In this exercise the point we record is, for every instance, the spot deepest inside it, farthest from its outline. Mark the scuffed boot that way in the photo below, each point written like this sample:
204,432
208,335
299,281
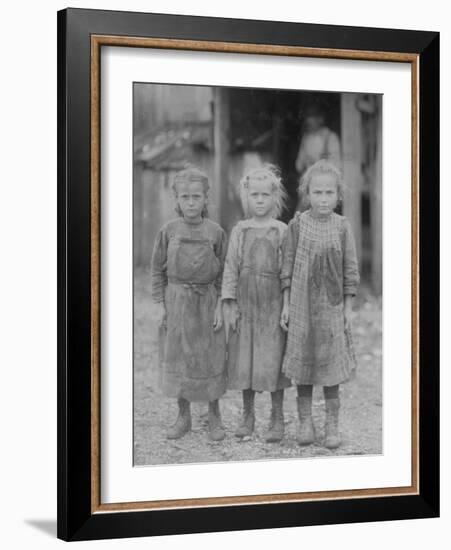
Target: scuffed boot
276,427
183,423
306,430
332,440
216,430
246,427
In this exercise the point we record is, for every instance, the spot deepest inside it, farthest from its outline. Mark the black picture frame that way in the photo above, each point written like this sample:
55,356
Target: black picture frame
76,518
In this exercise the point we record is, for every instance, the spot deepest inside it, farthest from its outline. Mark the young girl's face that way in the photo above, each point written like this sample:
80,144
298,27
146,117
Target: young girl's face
191,198
260,198
323,194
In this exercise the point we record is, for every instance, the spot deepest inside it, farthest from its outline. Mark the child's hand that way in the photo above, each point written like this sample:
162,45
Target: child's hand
231,316
285,317
217,322
161,314
348,314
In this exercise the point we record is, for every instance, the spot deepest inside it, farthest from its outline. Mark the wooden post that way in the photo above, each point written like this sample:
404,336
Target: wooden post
376,206
351,151
221,134
137,214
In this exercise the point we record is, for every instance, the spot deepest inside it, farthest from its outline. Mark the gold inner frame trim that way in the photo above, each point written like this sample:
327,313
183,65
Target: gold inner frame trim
97,41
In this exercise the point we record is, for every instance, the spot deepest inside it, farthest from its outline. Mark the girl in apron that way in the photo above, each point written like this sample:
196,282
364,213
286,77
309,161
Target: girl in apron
187,265
252,300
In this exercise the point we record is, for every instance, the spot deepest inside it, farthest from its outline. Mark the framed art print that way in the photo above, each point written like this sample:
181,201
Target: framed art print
248,274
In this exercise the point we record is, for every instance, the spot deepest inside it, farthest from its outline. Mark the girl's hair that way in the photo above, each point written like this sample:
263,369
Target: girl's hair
322,166
267,172
190,175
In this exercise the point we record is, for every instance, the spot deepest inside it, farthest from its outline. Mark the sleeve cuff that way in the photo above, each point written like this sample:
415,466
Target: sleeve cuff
228,296
285,283
350,290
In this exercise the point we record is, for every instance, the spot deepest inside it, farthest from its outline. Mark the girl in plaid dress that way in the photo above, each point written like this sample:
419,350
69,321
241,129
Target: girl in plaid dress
252,300
319,280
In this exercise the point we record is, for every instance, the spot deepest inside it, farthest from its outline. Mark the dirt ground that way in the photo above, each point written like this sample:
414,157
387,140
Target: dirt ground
360,414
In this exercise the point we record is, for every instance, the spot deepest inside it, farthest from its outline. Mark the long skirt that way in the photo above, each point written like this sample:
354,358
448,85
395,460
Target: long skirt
192,354
256,349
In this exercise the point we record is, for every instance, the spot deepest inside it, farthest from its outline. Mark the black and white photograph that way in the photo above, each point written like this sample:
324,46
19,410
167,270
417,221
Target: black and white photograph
257,274
225,283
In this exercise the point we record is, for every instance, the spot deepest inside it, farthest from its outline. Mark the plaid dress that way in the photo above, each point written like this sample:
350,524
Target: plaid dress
320,266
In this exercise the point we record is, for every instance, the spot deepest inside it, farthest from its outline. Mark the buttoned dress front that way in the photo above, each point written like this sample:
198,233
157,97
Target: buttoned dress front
252,278
187,264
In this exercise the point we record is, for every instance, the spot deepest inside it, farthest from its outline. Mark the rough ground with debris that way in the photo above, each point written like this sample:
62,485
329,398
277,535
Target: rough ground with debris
360,415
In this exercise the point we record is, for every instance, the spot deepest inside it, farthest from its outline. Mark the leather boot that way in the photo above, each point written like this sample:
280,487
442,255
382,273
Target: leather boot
246,427
276,427
216,430
183,423
332,440
306,430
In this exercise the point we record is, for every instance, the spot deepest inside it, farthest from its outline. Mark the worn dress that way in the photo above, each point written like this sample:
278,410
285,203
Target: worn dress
320,265
187,264
252,278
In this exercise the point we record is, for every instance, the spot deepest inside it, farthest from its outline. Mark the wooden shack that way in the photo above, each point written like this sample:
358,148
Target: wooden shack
225,131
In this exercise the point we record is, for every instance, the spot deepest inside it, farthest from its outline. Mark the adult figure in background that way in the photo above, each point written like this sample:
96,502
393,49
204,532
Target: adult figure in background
317,142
